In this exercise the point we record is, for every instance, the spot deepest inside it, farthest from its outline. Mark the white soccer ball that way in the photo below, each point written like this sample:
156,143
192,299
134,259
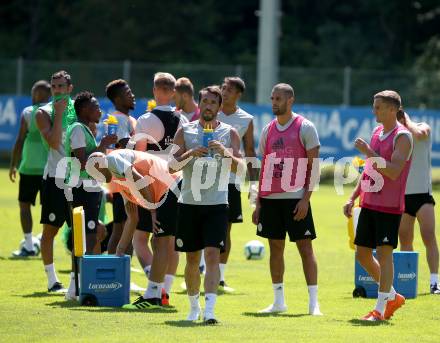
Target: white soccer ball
35,242
254,250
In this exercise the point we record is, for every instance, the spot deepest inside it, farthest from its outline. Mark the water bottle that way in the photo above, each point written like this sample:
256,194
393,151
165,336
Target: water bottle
208,135
112,127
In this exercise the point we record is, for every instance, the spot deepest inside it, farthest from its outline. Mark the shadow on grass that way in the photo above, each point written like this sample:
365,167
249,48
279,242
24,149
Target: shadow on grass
202,293
119,309
183,323
64,304
359,322
65,271
17,258
275,314
40,295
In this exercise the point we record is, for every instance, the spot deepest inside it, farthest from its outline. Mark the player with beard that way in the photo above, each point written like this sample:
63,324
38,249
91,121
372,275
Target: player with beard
289,145
203,209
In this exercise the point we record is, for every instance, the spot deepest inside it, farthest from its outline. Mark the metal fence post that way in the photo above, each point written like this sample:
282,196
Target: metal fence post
19,77
346,87
126,66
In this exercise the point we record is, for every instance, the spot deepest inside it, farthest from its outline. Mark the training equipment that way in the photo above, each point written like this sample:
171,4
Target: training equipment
359,164
105,280
208,135
254,250
35,243
352,225
112,127
405,276
79,232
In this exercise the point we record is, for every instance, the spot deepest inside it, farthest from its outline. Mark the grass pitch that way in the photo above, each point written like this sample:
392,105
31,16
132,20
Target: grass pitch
29,314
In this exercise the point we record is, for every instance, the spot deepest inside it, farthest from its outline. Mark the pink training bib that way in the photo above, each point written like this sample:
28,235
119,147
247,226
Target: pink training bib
391,198
284,166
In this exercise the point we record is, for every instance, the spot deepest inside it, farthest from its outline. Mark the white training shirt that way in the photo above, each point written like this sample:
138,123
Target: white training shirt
150,124
120,160
239,120
419,177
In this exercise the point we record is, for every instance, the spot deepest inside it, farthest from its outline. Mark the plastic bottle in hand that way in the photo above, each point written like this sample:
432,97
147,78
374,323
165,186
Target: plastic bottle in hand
359,164
208,135
112,127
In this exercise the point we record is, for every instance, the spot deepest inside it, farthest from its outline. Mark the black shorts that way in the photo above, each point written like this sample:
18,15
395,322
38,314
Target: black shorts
201,226
166,215
119,215
413,202
91,202
54,207
276,219
235,214
376,228
28,187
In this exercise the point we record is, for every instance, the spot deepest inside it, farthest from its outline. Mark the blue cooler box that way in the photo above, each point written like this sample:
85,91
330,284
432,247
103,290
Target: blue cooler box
104,280
405,276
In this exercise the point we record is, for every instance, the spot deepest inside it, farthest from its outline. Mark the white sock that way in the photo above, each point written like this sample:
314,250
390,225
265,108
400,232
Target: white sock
152,290
382,299
28,242
194,301
392,293
433,279
278,291
51,275
147,270
222,267
313,296
202,259
210,299
168,283
72,288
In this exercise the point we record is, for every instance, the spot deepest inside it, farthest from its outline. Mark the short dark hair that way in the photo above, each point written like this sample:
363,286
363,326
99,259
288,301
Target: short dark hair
184,85
60,74
236,82
41,85
82,99
213,90
114,88
285,88
390,97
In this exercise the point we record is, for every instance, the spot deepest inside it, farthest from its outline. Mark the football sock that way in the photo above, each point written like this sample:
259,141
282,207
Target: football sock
51,275
210,299
28,242
433,280
222,267
152,290
168,283
278,291
194,300
313,296
382,299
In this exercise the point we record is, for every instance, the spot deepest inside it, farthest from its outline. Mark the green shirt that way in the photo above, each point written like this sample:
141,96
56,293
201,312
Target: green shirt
89,143
34,154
